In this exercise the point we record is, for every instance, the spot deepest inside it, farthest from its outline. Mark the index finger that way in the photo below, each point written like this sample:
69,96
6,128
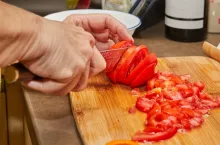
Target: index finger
100,22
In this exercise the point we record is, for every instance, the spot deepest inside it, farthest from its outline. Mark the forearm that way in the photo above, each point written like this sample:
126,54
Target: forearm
19,30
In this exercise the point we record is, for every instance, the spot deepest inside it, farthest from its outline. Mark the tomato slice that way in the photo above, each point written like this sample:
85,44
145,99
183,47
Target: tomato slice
144,76
122,44
129,62
144,136
113,75
153,129
149,59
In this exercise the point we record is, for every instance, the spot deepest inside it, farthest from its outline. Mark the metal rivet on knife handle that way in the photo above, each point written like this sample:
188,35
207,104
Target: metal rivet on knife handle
17,72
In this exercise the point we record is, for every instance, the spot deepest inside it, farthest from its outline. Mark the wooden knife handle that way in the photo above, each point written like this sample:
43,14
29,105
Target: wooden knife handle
17,72
211,50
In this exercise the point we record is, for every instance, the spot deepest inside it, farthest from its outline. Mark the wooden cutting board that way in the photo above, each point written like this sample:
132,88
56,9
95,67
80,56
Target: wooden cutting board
101,111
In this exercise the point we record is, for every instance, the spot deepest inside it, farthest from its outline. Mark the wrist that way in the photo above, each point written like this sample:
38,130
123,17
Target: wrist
19,30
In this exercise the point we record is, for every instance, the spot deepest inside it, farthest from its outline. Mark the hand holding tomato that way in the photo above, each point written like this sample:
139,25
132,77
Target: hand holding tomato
105,29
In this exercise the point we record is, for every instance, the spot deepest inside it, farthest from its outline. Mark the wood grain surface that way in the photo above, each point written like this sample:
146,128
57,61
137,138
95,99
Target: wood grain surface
101,111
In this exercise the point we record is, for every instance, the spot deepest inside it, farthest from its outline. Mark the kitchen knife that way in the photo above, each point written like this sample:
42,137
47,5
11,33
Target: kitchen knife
17,71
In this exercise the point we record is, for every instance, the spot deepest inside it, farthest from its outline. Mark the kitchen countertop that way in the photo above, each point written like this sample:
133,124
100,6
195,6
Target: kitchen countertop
50,118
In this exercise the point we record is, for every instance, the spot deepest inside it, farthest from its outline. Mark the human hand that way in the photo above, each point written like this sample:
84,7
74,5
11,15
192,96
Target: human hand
63,54
105,28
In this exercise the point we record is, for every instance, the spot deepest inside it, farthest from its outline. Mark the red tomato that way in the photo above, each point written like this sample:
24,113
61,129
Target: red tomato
122,44
151,129
144,136
113,75
129,62
143,104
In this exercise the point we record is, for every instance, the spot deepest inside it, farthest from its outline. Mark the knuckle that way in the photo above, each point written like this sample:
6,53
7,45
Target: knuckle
81,66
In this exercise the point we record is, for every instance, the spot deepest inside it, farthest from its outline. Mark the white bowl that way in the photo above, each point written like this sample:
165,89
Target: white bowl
130,21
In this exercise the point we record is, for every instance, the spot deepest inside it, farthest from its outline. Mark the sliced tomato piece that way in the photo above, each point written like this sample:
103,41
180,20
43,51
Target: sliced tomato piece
152,129
144,136
129,62
143,104
144,76
112,76
149,59
122,44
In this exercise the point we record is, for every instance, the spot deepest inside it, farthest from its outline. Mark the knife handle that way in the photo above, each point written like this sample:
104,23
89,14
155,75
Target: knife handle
17,72
211,50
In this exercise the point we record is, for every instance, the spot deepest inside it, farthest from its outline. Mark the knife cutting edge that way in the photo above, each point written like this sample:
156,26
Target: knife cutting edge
17,71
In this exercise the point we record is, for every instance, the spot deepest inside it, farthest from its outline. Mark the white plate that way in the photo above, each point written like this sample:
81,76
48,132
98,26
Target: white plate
130,21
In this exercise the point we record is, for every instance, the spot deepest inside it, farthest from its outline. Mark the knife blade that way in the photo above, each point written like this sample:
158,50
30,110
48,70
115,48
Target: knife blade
112,57
17,71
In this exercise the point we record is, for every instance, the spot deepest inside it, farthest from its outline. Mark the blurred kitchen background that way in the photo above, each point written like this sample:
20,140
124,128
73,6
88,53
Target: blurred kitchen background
150,12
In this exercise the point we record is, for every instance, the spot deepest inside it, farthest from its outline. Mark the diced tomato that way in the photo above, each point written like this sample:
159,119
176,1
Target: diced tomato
205,96
150,84
153,93
196,122
132,110
187,93
200,85
185,77
167,84
176,80
195,90
143,104
144,136
209,104
189,112
185,124
155,109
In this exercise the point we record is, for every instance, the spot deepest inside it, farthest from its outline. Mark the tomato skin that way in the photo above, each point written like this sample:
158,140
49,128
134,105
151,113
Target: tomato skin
123,44
144,136
146,74
112,76
127,63
151,129
149,59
